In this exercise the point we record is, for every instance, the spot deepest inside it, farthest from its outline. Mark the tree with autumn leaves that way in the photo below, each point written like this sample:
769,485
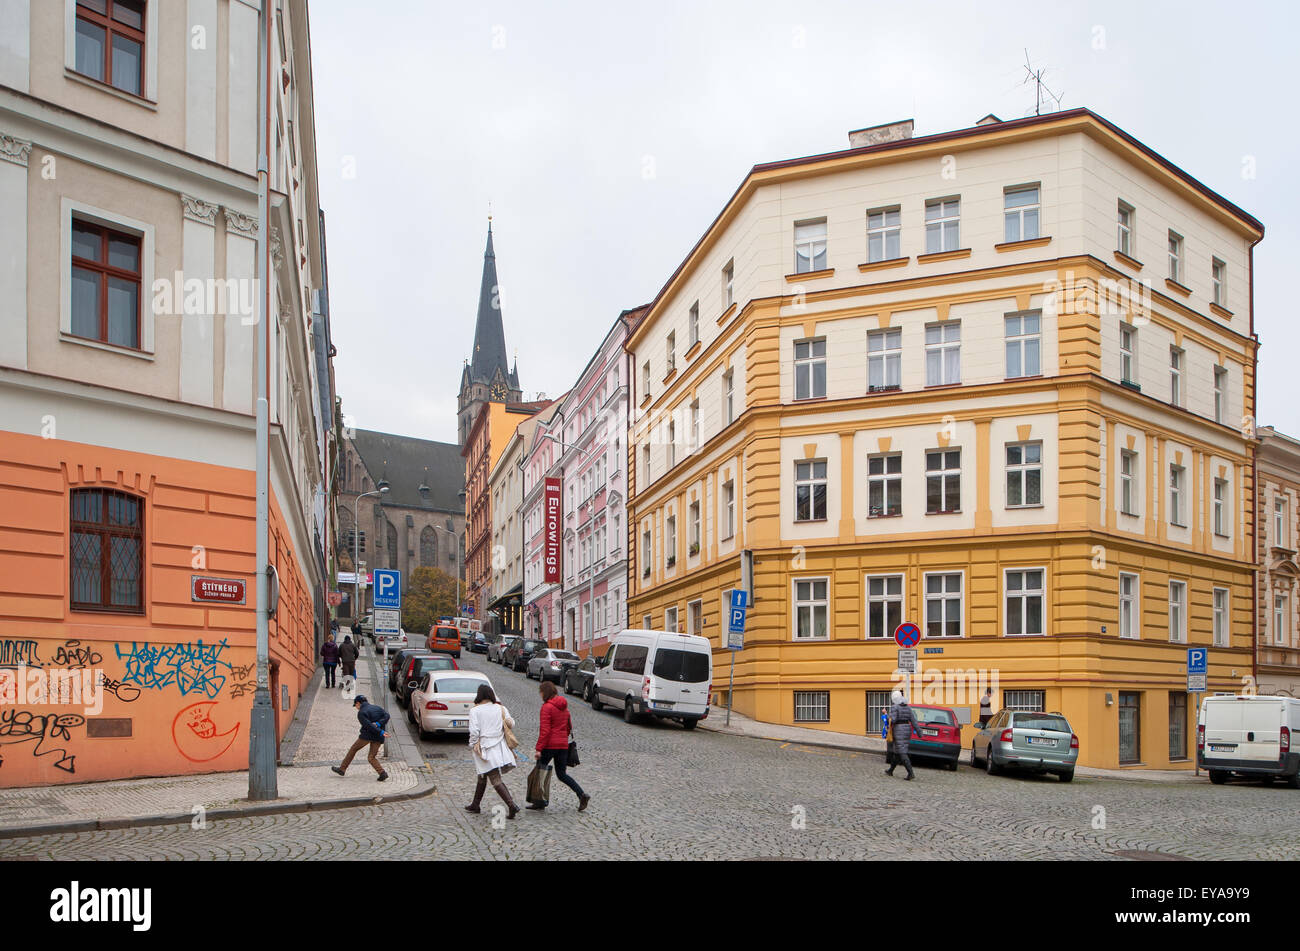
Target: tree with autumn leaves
430,595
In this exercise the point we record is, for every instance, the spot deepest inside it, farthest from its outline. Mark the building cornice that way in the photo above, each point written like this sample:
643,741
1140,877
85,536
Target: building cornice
14,150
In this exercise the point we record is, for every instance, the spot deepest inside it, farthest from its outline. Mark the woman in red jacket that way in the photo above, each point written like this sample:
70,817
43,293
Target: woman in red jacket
553,741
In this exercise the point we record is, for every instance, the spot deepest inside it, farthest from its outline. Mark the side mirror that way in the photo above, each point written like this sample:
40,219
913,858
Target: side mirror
412,685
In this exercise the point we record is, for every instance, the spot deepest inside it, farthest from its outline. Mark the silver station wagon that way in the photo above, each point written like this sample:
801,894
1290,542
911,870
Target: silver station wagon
1041,742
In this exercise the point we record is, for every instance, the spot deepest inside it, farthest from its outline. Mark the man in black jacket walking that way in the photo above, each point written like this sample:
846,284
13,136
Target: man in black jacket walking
373,720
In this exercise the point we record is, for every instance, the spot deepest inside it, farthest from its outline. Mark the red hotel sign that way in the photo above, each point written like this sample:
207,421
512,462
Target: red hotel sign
221,590
551,515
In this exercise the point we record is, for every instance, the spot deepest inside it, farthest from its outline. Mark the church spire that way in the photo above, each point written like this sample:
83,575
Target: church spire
489,332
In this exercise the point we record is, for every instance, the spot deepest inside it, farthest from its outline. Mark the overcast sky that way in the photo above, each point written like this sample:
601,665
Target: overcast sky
608,136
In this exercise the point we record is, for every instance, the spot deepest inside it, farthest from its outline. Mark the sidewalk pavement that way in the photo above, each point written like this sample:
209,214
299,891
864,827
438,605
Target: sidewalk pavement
324,726
804,736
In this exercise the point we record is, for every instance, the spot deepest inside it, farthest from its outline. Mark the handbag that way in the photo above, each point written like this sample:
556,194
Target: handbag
573,750
511,740
539,786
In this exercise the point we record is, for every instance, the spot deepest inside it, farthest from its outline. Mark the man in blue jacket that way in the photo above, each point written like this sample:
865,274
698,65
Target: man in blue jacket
373,720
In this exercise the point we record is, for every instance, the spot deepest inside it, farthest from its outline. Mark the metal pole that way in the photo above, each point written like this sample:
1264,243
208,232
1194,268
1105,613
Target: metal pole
262,778
731,686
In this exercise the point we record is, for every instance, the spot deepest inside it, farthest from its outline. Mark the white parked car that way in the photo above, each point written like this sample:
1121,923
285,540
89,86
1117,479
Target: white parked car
394,642
656,674
1252,736
442,701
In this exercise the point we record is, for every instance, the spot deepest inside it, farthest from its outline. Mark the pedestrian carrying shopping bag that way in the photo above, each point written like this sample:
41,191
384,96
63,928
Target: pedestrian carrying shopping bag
539,786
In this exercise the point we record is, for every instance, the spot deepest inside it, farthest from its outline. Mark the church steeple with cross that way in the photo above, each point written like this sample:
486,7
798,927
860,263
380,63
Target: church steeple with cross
488,376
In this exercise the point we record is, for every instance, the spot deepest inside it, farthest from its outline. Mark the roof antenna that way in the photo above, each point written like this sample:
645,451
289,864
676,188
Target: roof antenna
1036,77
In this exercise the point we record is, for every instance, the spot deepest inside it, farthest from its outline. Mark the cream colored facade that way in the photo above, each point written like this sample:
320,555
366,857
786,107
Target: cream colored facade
1278,647
1078,409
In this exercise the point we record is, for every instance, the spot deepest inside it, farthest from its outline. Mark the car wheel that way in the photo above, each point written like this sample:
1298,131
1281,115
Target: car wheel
1293,781
1218,776
1067,775
410,714
424,734
974,760
690,724
567,689
595,699
586,691
629,711
990,767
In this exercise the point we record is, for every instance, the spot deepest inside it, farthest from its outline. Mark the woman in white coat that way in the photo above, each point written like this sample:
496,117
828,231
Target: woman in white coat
493,756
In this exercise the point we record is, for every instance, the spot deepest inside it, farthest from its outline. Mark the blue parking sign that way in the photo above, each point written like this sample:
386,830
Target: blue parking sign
388,589
1197,660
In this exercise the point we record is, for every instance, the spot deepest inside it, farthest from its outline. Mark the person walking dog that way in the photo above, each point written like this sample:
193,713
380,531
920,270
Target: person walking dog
553,741
373,720
493,747
902,719
329,658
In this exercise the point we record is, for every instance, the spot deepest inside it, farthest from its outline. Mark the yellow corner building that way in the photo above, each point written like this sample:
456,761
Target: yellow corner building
998,382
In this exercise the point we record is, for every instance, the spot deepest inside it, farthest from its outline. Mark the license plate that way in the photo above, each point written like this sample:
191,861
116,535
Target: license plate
1041,741
663,703
458,722
929,732
1222,749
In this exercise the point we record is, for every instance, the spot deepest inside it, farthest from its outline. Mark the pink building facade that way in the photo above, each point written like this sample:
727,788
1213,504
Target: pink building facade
583,445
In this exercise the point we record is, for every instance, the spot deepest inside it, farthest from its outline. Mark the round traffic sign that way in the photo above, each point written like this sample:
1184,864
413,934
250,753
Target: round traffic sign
907,634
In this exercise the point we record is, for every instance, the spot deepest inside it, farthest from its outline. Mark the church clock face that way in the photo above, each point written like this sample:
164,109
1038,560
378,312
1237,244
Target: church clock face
498,392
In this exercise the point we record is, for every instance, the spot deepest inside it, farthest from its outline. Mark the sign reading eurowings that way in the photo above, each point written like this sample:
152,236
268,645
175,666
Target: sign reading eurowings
551,522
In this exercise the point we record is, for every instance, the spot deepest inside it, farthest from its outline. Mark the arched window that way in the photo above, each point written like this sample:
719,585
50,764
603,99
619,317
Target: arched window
392,546
107,551
428,547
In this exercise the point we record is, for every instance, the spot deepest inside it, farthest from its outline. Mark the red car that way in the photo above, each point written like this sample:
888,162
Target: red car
937,735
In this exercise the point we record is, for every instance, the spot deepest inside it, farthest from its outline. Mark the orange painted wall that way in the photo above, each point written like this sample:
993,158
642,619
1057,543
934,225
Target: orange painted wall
181,674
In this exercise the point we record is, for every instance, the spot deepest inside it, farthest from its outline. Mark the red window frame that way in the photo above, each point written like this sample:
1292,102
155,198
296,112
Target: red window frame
106,531
112,26
106,271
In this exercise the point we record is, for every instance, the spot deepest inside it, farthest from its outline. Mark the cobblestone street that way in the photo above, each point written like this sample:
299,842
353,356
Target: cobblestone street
660,792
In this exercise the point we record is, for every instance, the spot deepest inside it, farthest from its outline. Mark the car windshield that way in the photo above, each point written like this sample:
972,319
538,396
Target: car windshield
436,663
1040,721
925,715
688,667
457,685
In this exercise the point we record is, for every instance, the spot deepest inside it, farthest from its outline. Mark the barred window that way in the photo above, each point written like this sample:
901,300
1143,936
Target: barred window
107,551
1024,701
812,706
877,710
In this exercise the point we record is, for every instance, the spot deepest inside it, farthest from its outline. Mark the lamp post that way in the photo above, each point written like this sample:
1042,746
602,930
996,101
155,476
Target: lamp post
459,562
356,543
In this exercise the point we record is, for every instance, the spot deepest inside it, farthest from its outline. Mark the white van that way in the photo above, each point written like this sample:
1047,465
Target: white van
653,673
1251,736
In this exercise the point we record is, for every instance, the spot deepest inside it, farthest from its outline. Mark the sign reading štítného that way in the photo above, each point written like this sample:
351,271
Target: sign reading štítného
219,590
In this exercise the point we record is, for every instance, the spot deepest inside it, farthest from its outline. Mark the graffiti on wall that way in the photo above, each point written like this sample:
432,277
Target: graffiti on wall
190,667
18,653
196,734
50,732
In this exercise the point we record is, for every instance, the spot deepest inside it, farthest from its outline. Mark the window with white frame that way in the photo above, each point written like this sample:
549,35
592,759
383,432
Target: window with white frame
1219,279
672,444
1023,344
1281,536
693,319
586,620
647,622
1024,701
1177,480
670,541
943,604
942,225
885,485
1175,257
1124,241
1024,474
728,284
884,360
645,463
810,369
646,553
943,353
695,426
728,509
1024,591
671,348
1127,349
811,608
670,620
1220,392
728,396
694,538
1128,605
1220,617
1178,611
884,234
942,481
810,246
1127,485
878,703
884,605
810,490
812,706
695,617
1281,618
1176,376
1020,213
645,379
1220,507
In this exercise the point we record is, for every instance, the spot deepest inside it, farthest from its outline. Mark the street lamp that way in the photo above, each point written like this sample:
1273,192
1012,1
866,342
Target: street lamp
460,564
591,578
356,542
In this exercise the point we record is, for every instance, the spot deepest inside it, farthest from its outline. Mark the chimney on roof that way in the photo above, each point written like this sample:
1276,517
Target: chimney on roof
988,120
876,134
